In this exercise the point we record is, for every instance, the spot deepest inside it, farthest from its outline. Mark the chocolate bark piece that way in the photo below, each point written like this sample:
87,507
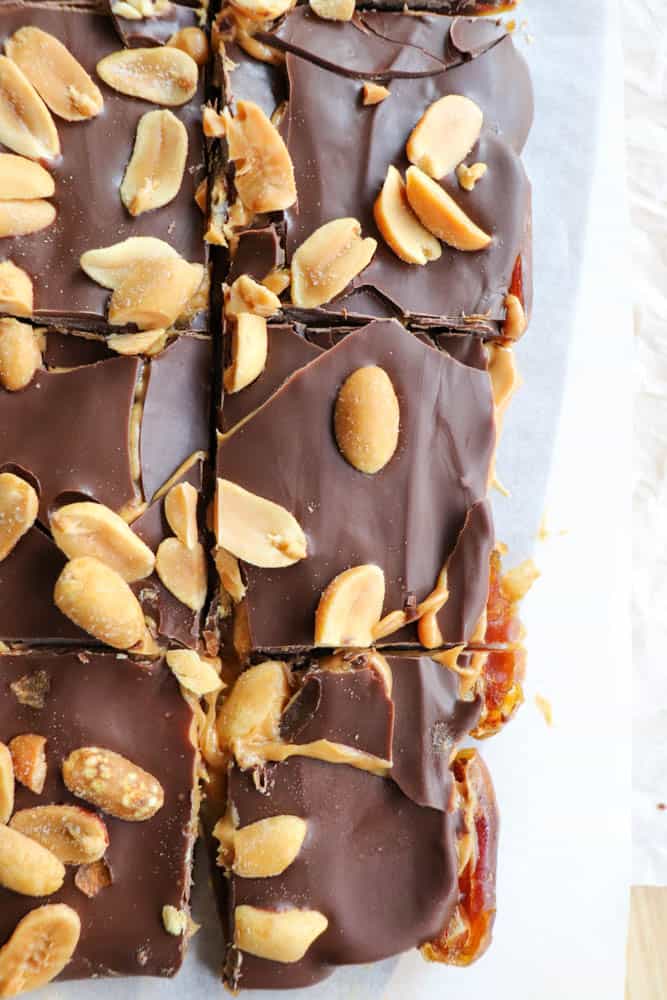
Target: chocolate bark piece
406,518
420,59
95,153
135,709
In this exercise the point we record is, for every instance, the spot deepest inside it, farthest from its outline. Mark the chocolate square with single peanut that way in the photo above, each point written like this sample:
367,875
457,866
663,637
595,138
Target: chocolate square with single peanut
98,786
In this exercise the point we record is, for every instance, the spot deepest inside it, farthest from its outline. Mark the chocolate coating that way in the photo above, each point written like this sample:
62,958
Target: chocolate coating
135,709
88,175
468,576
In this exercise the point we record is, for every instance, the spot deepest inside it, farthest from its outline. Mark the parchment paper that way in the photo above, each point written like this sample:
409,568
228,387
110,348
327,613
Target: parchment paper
564,791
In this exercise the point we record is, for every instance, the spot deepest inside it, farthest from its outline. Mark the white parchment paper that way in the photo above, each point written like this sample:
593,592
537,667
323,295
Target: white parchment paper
564,791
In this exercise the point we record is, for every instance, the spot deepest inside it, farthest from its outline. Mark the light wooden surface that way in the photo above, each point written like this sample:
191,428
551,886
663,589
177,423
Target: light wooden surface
647,945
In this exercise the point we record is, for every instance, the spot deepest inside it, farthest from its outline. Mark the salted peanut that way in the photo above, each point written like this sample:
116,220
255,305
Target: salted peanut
110,266
515,318
147,342
20,354
91,529
20,218
468,176
213,124
59,79
16,295
155,172
99,601
39,948
229,572
193,41
193,673
373,93
268,847
174,921
349,607
152,297
257,530
445,134
21,178
333,10
201,195
328,260
180,507
26,125
28,752
112,783
264,175
278,935
277,280
90,879
252,709
162,75
6,784
26,867
400,227
366,419
249,352
182,570
441,215
19,504
76,836
246,295
262,10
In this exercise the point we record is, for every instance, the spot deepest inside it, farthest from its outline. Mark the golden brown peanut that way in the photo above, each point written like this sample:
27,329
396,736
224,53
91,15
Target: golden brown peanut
268,847
328,260
246,295
183,571
193,41
373,93
249,352
180,508
91,529
26,125
445,134
277,280
99,601
441,215
193,673
6,784
59,79
278,935
333,10
257,530
155,172
112,783
152,297
40,947
76,836
349,608
366,419
148,342
20,353
252,709
20,218
28,752
19,504
468,176
111,266
174,921
515,318
16,294
27,867
400,227
263,10
162,75
212,123
22,179
264,175
229,572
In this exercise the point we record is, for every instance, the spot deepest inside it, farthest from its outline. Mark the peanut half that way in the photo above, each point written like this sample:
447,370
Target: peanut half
328,260
28,752
155,172
193,41
193,673
400,227
99,601
366,419
445,134
26,125
246,295
6,784
19,504
76,836
278,935
162,75
110,266
229,573
40,947
268,847
16,293
21,218
333,10
59,79
257,530
441,215
27,867
263,171
515,318
91,529
250,347
252,709
263,10
350,607
183,571
112,783
148,342
22,179
180,508
152,297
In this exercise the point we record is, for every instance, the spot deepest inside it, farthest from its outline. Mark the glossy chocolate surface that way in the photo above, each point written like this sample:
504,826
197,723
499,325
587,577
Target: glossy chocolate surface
135,709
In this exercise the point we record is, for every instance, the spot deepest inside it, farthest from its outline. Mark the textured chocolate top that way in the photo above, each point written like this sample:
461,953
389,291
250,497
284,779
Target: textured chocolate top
420,59
136,710
88,175
406,518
